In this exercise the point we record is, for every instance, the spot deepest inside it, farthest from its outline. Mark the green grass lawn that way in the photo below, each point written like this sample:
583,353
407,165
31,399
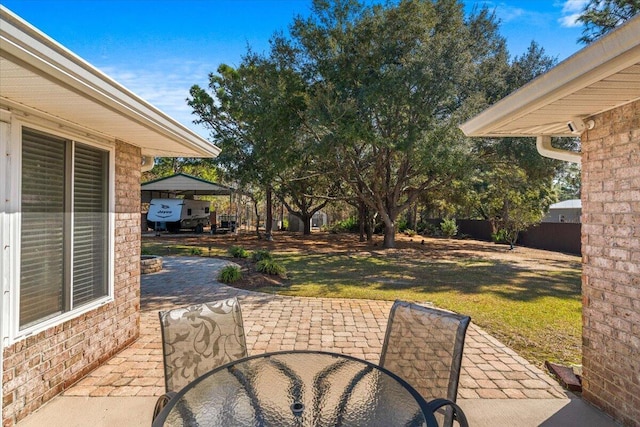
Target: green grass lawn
538,314
530,300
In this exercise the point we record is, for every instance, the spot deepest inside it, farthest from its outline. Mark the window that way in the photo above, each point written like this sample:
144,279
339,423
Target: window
64,255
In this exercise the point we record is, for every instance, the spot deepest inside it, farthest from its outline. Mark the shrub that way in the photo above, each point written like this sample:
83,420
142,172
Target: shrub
349,225
269,266
431,230
230,274
238,252
500,236
260,254
409,232
449,227
195,251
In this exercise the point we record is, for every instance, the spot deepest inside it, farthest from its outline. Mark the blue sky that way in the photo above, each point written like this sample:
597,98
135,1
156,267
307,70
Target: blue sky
160,48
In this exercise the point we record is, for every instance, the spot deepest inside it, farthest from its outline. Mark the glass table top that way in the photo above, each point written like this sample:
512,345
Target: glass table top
301,388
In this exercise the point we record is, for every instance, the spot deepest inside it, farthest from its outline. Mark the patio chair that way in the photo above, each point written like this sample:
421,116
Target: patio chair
424,347
198,339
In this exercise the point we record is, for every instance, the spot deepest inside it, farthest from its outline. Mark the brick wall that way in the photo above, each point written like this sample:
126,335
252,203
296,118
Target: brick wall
41,366
611,256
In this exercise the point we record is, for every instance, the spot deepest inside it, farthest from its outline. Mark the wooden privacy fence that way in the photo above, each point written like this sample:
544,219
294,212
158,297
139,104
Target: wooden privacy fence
551,236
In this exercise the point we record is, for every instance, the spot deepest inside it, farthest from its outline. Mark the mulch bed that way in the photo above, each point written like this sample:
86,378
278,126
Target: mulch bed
252,279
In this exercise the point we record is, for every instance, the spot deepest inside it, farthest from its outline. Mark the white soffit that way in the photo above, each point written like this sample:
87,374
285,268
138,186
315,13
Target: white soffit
39,76
600,77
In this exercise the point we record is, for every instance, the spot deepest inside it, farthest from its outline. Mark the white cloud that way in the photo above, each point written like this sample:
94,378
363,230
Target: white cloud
570,21
165,85
574,6
571,11
507,13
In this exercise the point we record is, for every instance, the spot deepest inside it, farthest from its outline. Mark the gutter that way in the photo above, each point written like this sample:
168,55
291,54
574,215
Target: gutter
612,53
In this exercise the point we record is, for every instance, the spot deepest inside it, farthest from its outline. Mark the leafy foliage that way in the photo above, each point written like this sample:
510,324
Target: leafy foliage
511,185
261,254
238,252
388,85
255,112
269,266
230,274
601,16
449,227
195,251
362,104
349,225
409,232
167,166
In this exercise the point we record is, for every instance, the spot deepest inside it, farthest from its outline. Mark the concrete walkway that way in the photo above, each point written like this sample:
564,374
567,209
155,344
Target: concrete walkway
495,384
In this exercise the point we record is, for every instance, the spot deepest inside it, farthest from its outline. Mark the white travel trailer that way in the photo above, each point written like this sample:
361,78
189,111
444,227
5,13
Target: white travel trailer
175,214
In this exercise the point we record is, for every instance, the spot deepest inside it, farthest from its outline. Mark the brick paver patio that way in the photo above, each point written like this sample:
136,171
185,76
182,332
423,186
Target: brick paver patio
272,323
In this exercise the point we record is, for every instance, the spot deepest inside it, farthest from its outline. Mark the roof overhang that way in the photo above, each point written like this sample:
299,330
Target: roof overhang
184,184
41,77
602,76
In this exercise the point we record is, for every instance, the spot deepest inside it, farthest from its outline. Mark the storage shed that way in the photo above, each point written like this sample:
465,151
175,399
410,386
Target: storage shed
565,211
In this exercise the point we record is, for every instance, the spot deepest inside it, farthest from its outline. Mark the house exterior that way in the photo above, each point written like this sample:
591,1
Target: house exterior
72,144
595,94
565,211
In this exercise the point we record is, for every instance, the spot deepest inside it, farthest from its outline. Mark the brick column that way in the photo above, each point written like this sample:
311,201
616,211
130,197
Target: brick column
611,257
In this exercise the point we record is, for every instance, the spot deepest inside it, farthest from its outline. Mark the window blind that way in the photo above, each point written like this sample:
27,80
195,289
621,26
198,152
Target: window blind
42,272
90,241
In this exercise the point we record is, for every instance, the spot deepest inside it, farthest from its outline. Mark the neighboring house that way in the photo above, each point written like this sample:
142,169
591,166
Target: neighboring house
595,94
565,211
72,142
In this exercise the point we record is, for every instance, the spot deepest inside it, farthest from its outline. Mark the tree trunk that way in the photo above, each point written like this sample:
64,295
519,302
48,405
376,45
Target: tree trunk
255,209
414,217
362,220
269,217
389,234
370,225
306,225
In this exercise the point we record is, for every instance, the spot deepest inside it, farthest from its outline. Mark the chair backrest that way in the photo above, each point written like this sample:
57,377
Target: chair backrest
424,346
199,338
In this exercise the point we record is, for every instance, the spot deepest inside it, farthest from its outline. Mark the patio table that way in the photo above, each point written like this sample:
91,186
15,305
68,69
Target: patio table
298,388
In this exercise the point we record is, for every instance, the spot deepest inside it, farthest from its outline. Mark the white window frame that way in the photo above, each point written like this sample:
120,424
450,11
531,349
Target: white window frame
14,332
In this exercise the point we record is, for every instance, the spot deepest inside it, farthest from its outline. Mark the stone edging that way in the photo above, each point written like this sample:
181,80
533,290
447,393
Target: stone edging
150,264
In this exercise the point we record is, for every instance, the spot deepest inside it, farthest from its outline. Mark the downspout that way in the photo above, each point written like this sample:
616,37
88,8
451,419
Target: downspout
6,241
543,144
147,163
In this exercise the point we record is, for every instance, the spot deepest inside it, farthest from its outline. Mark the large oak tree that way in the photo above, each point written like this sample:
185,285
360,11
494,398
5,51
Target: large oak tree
387,86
